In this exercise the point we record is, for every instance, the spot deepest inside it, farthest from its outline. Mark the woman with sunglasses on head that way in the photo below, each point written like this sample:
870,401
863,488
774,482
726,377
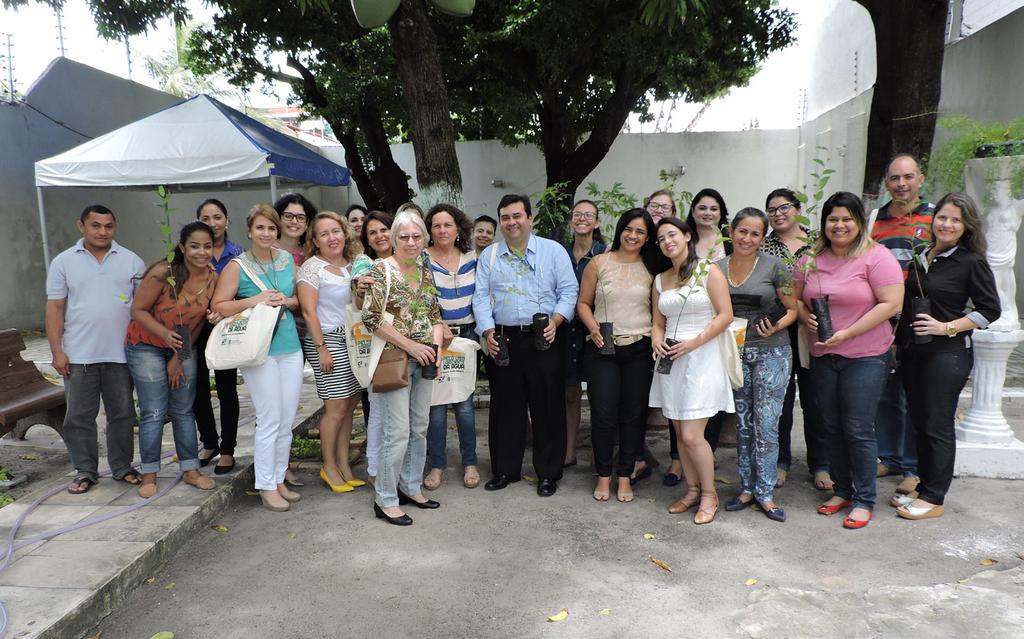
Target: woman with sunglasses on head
788,241
937,356
690,306
587,243
862,286
616,288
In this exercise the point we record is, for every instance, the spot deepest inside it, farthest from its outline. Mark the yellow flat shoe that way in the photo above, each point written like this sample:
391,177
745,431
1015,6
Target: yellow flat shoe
337,488
356,483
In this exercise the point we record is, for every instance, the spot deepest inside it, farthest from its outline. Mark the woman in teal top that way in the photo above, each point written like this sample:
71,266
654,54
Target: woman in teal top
274,386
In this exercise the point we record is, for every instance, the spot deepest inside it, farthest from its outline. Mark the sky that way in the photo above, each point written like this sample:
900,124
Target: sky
34,38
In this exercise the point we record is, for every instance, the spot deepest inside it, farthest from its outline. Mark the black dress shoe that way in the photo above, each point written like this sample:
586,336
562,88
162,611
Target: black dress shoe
643,474
501,481
671,479
429,504
775,514
736,504
403,520
203,463
224,470
547,487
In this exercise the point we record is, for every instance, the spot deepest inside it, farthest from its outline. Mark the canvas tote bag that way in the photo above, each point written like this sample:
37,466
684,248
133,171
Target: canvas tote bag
458,373
243,340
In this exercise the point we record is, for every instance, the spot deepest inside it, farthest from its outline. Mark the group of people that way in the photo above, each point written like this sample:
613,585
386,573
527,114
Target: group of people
870,316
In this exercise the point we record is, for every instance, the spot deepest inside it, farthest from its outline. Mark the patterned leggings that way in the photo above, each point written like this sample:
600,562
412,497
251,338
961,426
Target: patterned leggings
766,371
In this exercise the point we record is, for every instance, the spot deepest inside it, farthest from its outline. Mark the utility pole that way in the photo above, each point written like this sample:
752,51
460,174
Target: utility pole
128,54
10,71
60,29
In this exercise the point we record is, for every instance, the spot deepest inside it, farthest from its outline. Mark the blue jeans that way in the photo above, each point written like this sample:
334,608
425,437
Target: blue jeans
437,434
403,447
766,373
897,441
848,390
148,366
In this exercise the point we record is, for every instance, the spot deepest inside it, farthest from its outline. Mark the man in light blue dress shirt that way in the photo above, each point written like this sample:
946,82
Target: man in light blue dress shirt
522,276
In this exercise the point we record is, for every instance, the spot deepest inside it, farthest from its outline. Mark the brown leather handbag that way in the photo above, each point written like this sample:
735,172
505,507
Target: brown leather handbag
392,371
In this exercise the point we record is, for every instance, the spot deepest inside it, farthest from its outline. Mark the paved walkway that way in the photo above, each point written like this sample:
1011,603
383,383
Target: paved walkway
496,564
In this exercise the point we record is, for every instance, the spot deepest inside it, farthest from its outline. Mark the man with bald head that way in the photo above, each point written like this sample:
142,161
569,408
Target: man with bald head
900,225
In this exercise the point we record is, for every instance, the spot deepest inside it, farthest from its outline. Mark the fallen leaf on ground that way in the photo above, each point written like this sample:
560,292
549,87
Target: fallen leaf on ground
988,562
1020,555
648,535
169,586
99,633
661,564
252,493
163,635
30,458
561,615
750,582
220,528
722,480
604,611
530,478
151,580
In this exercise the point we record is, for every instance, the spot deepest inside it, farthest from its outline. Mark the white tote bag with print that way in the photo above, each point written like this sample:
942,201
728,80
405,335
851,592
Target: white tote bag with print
458,373
243,340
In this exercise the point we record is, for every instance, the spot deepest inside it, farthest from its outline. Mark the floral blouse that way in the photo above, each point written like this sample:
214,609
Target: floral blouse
415,312
774,246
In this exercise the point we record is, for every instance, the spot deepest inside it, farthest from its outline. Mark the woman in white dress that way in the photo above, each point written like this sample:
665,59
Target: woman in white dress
690,309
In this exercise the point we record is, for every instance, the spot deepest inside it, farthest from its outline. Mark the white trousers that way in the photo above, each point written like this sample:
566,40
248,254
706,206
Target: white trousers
274,389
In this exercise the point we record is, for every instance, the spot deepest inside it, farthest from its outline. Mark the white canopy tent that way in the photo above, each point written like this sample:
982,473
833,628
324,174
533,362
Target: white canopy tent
197,141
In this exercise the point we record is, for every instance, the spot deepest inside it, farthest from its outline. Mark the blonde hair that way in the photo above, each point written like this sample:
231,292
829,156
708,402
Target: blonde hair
352,245
263,210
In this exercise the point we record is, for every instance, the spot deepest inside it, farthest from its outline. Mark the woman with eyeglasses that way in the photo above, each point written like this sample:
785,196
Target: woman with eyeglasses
587,243
788,241
660,204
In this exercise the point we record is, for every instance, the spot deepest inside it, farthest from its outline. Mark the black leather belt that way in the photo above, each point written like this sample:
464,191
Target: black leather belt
522,328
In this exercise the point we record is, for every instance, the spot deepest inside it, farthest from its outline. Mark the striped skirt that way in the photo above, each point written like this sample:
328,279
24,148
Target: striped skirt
340,383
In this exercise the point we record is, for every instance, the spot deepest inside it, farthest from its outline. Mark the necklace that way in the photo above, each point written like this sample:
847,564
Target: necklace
272,274
752,269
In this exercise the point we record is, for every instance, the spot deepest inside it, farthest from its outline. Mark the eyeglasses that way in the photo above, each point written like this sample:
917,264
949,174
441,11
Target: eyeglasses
297,217
782,208
583,215
416,238
656,207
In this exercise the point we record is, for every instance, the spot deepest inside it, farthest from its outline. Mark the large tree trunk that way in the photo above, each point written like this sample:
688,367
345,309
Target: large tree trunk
354,160
910,37
426,99
389,179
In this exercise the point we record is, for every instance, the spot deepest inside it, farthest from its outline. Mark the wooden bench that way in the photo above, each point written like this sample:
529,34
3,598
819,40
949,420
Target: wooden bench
26,398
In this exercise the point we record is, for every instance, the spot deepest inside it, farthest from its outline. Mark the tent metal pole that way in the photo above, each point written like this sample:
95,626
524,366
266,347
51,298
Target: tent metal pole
273,189
42,228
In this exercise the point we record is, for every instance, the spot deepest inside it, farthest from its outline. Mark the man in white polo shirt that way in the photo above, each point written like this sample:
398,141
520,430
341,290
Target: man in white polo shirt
89,292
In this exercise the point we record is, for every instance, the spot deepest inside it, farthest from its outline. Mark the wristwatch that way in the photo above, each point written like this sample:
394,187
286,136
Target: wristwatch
950,329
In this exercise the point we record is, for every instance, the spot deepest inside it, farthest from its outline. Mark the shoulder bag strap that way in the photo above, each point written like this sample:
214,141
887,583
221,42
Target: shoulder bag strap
248,271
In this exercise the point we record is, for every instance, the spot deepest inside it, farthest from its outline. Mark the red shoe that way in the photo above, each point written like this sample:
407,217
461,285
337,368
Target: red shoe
826,509
854,524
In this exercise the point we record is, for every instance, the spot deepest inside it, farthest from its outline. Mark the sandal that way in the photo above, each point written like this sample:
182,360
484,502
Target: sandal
130,477
291,478
684,504
433,479
602,495
81,485
706,515
471,477
782,476
625,492
823,480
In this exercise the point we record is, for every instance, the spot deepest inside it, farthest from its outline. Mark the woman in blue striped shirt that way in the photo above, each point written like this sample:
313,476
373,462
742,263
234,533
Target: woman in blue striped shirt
453,264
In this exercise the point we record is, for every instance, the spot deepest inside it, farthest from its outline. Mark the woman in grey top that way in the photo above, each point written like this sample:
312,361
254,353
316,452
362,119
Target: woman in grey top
761,292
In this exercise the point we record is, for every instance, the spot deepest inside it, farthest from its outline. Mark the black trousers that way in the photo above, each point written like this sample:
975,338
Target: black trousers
933,381
814,436
618,387
227,394
533,380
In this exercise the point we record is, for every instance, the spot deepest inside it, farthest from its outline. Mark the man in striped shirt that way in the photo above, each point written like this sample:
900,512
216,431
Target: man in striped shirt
901,225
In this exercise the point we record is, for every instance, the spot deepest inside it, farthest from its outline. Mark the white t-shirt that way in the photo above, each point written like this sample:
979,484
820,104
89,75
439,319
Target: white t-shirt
334,291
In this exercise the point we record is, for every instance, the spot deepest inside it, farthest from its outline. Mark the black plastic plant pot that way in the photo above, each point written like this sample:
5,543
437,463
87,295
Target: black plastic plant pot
502,358
607,336
664,366
1000,149
540,322
185,333
819,306
776,311
430,370
920,305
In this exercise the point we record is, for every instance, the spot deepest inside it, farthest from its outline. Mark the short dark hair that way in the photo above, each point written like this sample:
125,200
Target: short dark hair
355,207
462,224
98,209
384,218
787,194
512,198
214,201
488,219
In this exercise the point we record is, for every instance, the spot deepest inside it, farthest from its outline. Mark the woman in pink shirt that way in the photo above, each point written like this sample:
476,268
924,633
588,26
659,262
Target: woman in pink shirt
863,285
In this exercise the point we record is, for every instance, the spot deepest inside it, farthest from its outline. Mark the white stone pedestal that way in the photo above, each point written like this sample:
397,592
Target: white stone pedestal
986,445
